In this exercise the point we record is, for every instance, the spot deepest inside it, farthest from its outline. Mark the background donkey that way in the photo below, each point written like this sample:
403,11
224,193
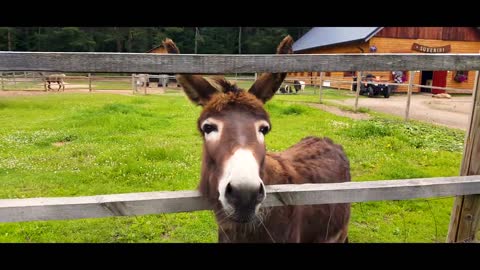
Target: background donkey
236,166
48,79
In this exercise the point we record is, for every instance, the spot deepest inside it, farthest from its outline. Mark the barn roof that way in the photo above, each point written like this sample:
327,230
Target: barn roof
324,36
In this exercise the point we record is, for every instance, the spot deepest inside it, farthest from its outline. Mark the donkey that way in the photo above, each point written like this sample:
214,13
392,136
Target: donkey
48,79
236,166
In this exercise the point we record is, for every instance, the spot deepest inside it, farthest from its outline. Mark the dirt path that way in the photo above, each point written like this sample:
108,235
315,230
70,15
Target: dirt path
453,112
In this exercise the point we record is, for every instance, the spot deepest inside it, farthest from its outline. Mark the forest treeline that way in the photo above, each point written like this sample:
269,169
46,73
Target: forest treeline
203,40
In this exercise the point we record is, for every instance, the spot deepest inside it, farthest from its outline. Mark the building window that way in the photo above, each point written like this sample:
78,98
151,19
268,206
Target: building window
460,76
399,76
328,74
348,73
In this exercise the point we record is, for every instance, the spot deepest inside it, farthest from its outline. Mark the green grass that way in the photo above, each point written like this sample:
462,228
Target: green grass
90,144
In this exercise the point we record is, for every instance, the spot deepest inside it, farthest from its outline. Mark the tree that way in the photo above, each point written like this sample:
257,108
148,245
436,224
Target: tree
7,38
210,40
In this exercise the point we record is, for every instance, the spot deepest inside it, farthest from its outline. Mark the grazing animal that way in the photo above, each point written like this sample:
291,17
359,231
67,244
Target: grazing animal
236,166
442,95
288,88
285,89
143,80
298,85
53,78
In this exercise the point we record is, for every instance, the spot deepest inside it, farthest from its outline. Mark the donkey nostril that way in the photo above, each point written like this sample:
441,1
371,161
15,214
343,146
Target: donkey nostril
261,194
229,189
261,190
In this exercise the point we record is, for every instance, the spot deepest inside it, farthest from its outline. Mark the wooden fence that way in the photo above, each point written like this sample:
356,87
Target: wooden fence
465,220
13,210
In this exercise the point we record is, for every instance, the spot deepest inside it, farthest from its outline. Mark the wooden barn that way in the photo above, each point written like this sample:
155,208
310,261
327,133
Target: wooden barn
392,40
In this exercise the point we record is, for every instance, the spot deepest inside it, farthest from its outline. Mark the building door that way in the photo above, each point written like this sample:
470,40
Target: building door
440,80
426,79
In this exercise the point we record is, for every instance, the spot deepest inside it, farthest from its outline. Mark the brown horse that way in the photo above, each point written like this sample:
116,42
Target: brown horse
236,166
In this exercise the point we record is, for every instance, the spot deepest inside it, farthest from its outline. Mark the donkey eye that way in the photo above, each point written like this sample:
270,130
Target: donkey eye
264,129
207,128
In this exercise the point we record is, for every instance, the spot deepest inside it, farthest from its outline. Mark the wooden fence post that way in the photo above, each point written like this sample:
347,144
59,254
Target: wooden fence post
465,217
409,94
165,80
476,81
146,83
357,93
134,84
320,87
44,80
89,82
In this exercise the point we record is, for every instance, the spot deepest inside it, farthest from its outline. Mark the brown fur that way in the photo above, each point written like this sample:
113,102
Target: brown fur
312,160
221,101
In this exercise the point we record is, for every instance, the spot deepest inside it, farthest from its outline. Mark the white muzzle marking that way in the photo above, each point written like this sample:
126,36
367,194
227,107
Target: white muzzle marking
241,169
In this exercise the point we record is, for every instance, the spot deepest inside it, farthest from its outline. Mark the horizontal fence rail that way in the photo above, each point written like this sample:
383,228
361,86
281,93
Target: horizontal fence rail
220,64
63,208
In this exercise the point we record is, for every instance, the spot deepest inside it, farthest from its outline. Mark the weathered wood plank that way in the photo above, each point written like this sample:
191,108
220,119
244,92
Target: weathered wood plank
409,94
217,64
100,206
134,84
465,217
320,85
13,210
89,82
357,92
371,190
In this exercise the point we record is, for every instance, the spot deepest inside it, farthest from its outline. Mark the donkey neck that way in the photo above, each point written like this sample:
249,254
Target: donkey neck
278,170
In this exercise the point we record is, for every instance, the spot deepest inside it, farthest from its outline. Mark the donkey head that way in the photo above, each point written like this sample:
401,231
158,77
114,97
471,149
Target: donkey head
233,125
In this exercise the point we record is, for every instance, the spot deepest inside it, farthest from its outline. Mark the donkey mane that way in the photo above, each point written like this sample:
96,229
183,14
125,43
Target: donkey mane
223,85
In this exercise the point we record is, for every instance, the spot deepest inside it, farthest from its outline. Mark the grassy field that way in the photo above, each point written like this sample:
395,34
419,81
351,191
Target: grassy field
90,144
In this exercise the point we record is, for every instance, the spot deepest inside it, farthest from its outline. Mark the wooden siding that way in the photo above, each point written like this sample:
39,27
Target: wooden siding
385,45
437,33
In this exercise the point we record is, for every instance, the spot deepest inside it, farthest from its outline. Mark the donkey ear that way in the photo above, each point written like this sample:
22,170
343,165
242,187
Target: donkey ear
197,88
268,83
